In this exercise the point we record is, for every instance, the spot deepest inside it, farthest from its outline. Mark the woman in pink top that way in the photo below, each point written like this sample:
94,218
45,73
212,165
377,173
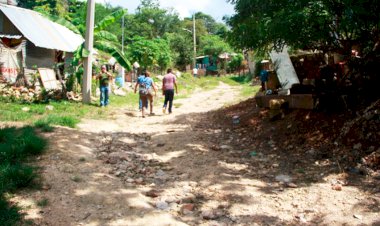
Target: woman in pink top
168,85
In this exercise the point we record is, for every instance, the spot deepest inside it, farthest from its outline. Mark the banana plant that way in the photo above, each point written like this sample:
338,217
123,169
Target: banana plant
106,41
103,40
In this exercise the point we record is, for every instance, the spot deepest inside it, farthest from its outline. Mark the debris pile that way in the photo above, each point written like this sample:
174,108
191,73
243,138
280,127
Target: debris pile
129,163
18,93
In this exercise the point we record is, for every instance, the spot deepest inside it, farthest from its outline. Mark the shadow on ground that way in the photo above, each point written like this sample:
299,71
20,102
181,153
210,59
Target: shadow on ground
257,172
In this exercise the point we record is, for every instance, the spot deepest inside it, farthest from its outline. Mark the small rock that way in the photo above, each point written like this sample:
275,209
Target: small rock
301,218
311,152
160,173
139,180
187,209
46,187
171,200
187,189
208,215
152,193
86,216
160,145
337,187
291,185
162,205
360,217
283,178
357,146
130,180
49,108
225,147
26,109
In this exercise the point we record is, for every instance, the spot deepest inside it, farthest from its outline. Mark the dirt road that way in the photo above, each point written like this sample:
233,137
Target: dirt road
173,170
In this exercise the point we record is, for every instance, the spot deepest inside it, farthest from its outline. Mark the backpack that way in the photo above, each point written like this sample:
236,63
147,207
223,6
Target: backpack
143,90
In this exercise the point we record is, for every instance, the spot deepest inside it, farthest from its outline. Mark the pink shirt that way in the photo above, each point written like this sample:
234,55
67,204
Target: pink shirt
168,82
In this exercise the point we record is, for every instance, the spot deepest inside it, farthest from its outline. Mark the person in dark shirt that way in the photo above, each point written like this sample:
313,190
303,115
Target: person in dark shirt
104,80
264,75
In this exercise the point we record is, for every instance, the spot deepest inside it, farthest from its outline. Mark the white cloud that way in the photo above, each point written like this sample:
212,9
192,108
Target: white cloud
185,8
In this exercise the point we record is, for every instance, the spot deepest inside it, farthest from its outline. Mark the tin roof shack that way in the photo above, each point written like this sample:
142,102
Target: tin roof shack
292,94
45,41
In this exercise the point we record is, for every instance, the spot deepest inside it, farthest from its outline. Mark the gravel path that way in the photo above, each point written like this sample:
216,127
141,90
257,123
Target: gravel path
173,170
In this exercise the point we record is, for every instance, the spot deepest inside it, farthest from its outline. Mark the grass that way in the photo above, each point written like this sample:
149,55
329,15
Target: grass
43,202
82,159
62,120
76,178
17,146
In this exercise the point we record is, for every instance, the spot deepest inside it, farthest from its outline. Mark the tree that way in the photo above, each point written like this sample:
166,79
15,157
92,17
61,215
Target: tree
150,54
329,25
52,7
181,45
150,21
211,25
213,45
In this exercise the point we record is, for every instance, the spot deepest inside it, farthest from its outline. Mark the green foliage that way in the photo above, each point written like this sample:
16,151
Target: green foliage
9,214
181,46
236,62
16,146
109,19
212,27
53,119
52,7
150,21
15,176
213,45
43,202
150,53
325,24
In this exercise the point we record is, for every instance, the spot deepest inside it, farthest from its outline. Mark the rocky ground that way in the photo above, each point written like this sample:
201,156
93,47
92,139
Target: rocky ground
203,166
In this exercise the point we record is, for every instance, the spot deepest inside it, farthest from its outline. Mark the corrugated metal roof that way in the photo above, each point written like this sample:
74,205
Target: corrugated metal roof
41,31
10,36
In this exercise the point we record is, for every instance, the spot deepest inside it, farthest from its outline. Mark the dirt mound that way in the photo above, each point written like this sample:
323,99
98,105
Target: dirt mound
350,141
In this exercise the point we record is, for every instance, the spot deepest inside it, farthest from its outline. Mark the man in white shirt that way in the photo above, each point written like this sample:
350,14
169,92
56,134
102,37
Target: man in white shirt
195,72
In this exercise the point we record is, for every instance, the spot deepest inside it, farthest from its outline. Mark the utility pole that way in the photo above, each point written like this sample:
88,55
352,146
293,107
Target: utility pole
195,43
87,62
122,50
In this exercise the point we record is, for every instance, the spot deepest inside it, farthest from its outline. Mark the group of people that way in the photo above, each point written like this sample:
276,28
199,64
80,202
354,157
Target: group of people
146,86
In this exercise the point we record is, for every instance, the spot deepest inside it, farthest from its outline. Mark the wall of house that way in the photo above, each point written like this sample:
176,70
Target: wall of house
39,57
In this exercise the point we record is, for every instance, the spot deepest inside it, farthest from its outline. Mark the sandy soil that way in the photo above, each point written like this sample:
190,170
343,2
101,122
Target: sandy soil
179,169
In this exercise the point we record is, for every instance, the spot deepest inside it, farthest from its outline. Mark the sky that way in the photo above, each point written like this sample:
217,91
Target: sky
185,8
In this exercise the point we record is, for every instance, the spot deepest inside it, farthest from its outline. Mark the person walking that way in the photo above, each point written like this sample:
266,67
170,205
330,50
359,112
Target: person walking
104,80
168,85
195,72
141,76
146,84
150,86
